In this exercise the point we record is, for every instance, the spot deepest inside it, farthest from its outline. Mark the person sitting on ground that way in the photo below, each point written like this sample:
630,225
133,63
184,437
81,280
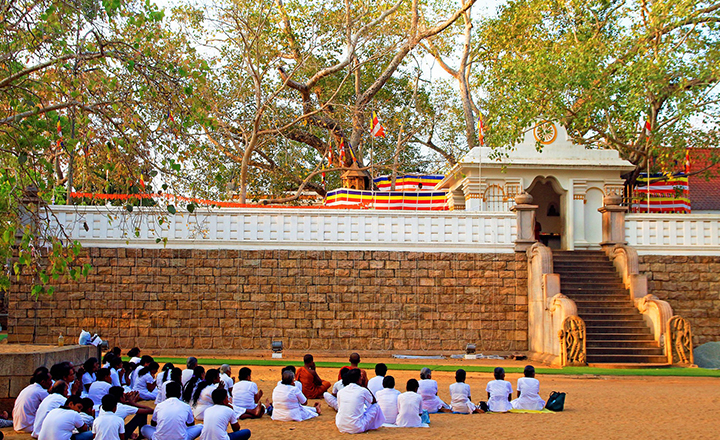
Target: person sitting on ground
60,422
127,374
28,401
145,383
528,392
88,411
101,386
226,378
297,383
387,398
217,418
91,366
173,419
499,392
354,363
175,376
116,370
358,410
106,359
128,406
428,389
108,426
376,383
57,398
144,362
246,396
189,386
5,421
164,374
66,371
312,386
410,407
188,372
460,400
202,395
330,396
288,401
134,355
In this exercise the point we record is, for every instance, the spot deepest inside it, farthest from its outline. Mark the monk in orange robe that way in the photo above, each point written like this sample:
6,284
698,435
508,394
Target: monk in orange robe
312,386
354,364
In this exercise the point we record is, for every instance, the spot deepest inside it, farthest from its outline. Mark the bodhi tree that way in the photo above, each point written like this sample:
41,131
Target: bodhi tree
603,68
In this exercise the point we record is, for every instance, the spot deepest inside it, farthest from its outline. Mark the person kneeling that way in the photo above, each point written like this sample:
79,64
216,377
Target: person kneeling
358,410
217,418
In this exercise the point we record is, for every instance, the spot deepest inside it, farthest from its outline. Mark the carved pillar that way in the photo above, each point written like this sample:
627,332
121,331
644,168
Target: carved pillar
613,221
525,213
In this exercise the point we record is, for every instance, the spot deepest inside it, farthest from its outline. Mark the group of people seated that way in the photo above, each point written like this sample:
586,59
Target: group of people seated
94,400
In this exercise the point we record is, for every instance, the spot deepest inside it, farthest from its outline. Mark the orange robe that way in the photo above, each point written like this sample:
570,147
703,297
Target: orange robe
310,388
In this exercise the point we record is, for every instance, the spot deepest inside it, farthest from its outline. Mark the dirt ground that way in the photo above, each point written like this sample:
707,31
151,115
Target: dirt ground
597,407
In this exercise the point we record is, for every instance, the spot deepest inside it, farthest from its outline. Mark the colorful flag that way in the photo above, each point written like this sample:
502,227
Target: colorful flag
342,152
687,161
481,131
170,117
352,153
377,130
60,142
661,193
647,129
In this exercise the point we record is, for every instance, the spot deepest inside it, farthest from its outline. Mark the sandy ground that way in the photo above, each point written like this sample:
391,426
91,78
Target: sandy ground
596,408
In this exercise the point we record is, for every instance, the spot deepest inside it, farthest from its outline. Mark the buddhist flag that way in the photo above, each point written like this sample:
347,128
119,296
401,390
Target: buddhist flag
342,152
687,162
481,131
377,130
646,129
60,142
352,153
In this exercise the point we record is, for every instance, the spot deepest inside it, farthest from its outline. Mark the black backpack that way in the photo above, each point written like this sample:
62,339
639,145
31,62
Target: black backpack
556,402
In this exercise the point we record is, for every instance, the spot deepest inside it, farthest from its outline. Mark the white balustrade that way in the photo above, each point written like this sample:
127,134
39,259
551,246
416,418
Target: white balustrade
673,234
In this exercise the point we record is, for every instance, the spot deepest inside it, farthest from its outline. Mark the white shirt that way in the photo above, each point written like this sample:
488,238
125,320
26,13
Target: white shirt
228,381
529,388
204,401
499,391
122,410
48,404
352,401
172,417
376,384
287,402
243,394
387,398
98,390
108,427
135,360
162,393
428,389
59,424
87,379
26,406
217,418
141,383
115,377
187,374
409,409
460,398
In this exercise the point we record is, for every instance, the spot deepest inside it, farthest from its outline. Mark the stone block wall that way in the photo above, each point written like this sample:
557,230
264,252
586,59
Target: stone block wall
691,284
324,300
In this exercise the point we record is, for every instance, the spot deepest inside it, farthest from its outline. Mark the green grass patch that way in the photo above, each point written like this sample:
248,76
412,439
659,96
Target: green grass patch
3,336
567,371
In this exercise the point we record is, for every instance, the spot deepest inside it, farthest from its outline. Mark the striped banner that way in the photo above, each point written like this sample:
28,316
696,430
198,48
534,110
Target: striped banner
409,182
670,196
401,200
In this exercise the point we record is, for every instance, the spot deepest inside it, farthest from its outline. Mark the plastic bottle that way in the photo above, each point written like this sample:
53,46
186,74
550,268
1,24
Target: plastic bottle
61,341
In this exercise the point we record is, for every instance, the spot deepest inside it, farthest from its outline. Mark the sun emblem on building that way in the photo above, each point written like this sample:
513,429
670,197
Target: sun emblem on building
545,132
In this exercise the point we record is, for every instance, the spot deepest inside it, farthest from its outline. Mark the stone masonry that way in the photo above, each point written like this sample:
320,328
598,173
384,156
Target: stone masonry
324,300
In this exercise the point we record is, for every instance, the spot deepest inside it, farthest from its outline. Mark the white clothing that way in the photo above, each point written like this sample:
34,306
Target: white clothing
428,389
172,417
297,383
409,405
217,419
204,401
287,403
87,379
135,360
59,424
229,382
375,384
108,427
529,388
387,398
134,377
243,395
141,386
87,418
187,374
115,377
162,392
26,406
122,411
356,412
460,398
499,391
48,404
98,390
331,398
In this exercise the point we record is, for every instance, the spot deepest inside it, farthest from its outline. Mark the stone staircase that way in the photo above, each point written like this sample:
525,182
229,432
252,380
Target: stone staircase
616,331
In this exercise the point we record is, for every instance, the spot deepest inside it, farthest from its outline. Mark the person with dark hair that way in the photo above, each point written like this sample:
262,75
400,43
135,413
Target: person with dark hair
175,376
127,374
219,416
28,401
165,374
297,383
460,400
188,372
428,389
173,419
410,409
106,359
499,392
57,398
528,392
128,406
116,351
88,411
60,422
144,362
108,426
90,367
312,386
355,363
358,410
66,371
246,396
387,399
116,370
288,401
189,386
202,395
145,382
330,396
376,383
134,354
100,387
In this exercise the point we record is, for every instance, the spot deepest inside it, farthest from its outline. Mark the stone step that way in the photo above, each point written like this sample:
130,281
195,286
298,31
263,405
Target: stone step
600,322
607,298
621,337
627,358
624,351
618,365
621,343
600,331
619,315
604,309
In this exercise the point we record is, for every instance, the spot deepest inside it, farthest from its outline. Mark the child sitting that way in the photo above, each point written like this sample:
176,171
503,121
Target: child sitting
246,396
499,392
460,400
387,398
528,392
410,408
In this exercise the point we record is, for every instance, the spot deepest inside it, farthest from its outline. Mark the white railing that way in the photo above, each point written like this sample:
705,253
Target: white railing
673,234
259,228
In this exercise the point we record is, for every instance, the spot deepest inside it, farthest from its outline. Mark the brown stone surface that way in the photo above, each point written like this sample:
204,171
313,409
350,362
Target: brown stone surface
228,299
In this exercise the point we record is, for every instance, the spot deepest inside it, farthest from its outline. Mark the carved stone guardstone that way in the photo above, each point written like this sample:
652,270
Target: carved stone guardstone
679,344
573,342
